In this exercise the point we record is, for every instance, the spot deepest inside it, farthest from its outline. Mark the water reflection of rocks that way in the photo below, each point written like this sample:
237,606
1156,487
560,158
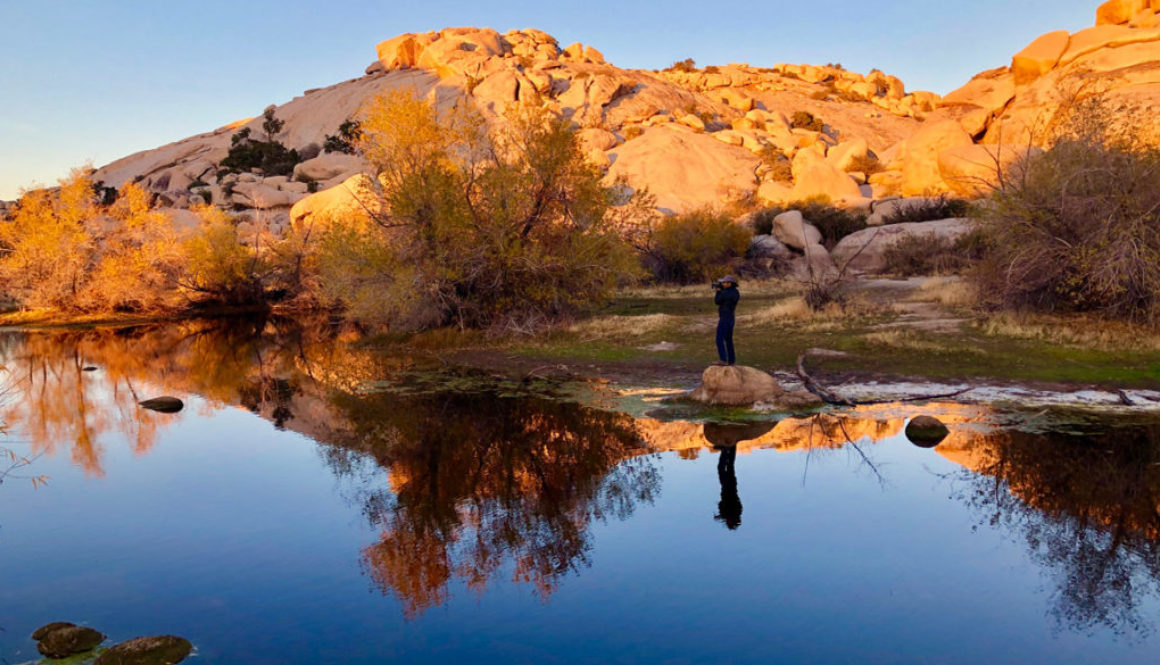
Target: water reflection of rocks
464,487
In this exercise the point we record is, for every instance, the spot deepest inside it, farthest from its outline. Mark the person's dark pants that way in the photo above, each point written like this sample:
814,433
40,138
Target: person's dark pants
725,341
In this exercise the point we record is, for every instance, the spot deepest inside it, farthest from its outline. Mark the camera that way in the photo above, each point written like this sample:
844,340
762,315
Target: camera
716,285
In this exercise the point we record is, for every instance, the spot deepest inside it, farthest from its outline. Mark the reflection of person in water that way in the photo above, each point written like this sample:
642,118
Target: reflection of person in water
729,507
725,439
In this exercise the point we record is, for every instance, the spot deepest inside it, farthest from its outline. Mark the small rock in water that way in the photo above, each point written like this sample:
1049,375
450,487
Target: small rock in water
926,431
163,404
42,632
154,650
64,642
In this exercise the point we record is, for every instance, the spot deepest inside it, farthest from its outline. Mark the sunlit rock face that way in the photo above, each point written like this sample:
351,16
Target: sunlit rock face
699,136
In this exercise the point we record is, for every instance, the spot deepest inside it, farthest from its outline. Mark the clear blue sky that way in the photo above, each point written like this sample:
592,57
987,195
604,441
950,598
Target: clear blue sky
82,80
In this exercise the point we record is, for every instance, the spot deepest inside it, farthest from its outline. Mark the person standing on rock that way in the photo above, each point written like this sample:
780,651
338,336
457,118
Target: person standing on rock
726,298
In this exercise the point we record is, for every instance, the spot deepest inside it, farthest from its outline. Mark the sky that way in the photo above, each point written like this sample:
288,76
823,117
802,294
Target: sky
85,81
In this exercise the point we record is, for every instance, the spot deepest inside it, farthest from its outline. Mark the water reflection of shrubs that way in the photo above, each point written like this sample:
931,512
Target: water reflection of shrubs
478,485
1086,506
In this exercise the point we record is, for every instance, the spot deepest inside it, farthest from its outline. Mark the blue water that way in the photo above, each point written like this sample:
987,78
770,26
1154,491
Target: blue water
250,541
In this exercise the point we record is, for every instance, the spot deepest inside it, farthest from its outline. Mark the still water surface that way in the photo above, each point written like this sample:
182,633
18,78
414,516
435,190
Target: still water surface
289,515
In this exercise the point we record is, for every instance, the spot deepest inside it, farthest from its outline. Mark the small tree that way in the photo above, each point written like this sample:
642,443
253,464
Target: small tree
269,156
499,229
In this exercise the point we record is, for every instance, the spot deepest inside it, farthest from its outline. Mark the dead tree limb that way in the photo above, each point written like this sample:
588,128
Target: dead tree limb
818,389
830,397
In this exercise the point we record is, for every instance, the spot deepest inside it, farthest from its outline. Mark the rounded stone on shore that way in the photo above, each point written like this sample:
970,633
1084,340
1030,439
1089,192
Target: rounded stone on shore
926,431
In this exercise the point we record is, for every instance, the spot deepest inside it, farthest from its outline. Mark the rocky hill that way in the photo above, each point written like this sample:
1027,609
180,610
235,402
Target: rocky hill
693,136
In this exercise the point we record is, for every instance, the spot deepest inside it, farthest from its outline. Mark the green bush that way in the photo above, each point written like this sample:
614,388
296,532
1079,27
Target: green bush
806,120
696,246
928,210
345,140
929,254
269,156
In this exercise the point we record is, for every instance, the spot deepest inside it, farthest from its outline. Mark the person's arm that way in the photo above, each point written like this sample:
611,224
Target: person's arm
719,297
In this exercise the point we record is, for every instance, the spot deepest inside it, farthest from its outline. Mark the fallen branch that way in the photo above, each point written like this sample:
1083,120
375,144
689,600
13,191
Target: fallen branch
830,397
818,389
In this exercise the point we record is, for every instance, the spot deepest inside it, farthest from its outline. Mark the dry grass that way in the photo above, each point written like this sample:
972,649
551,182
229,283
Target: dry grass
946,291
795,311
1084,332
605,327
900,338
768,287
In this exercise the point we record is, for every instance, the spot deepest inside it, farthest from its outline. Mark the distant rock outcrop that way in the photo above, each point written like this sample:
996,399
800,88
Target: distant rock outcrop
694,136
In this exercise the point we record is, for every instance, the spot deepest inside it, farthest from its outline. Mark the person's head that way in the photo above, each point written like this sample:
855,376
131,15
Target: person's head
728,281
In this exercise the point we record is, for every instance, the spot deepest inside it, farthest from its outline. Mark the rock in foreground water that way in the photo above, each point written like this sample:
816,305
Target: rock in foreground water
926,431
42,632
69,640
164,404
154,650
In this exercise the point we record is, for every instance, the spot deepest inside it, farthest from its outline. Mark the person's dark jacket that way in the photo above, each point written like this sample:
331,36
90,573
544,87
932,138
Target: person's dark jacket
726,301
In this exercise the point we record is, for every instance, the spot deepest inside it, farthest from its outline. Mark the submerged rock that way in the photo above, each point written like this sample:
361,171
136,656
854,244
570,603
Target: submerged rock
164,404
69,640
42,632
926,431
153,650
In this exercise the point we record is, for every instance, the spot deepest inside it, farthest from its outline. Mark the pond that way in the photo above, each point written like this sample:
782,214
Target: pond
317,503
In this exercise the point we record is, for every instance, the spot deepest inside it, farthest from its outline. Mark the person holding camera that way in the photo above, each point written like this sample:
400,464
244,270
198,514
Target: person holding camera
726,298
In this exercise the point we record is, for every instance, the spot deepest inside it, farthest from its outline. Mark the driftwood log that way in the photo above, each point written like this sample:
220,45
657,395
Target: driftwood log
830,397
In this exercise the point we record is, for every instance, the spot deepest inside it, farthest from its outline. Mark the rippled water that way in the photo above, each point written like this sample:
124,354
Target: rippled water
318,504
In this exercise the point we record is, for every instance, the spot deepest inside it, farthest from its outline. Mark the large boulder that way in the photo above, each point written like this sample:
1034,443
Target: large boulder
976,170
844,155
792,230
814,176
1118,12
920,175
682,169
736,385
354,200
153,650
1039,57
865,251
329,165
768,247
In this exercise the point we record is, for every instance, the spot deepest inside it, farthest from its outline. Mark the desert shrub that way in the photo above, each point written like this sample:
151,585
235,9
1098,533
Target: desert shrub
941,207
851,96
1077,229
712,69
66,250
345,140
270,156
868,164
632,132
806,120
696,246
686,65
832,222
930,254
503,229
221,267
